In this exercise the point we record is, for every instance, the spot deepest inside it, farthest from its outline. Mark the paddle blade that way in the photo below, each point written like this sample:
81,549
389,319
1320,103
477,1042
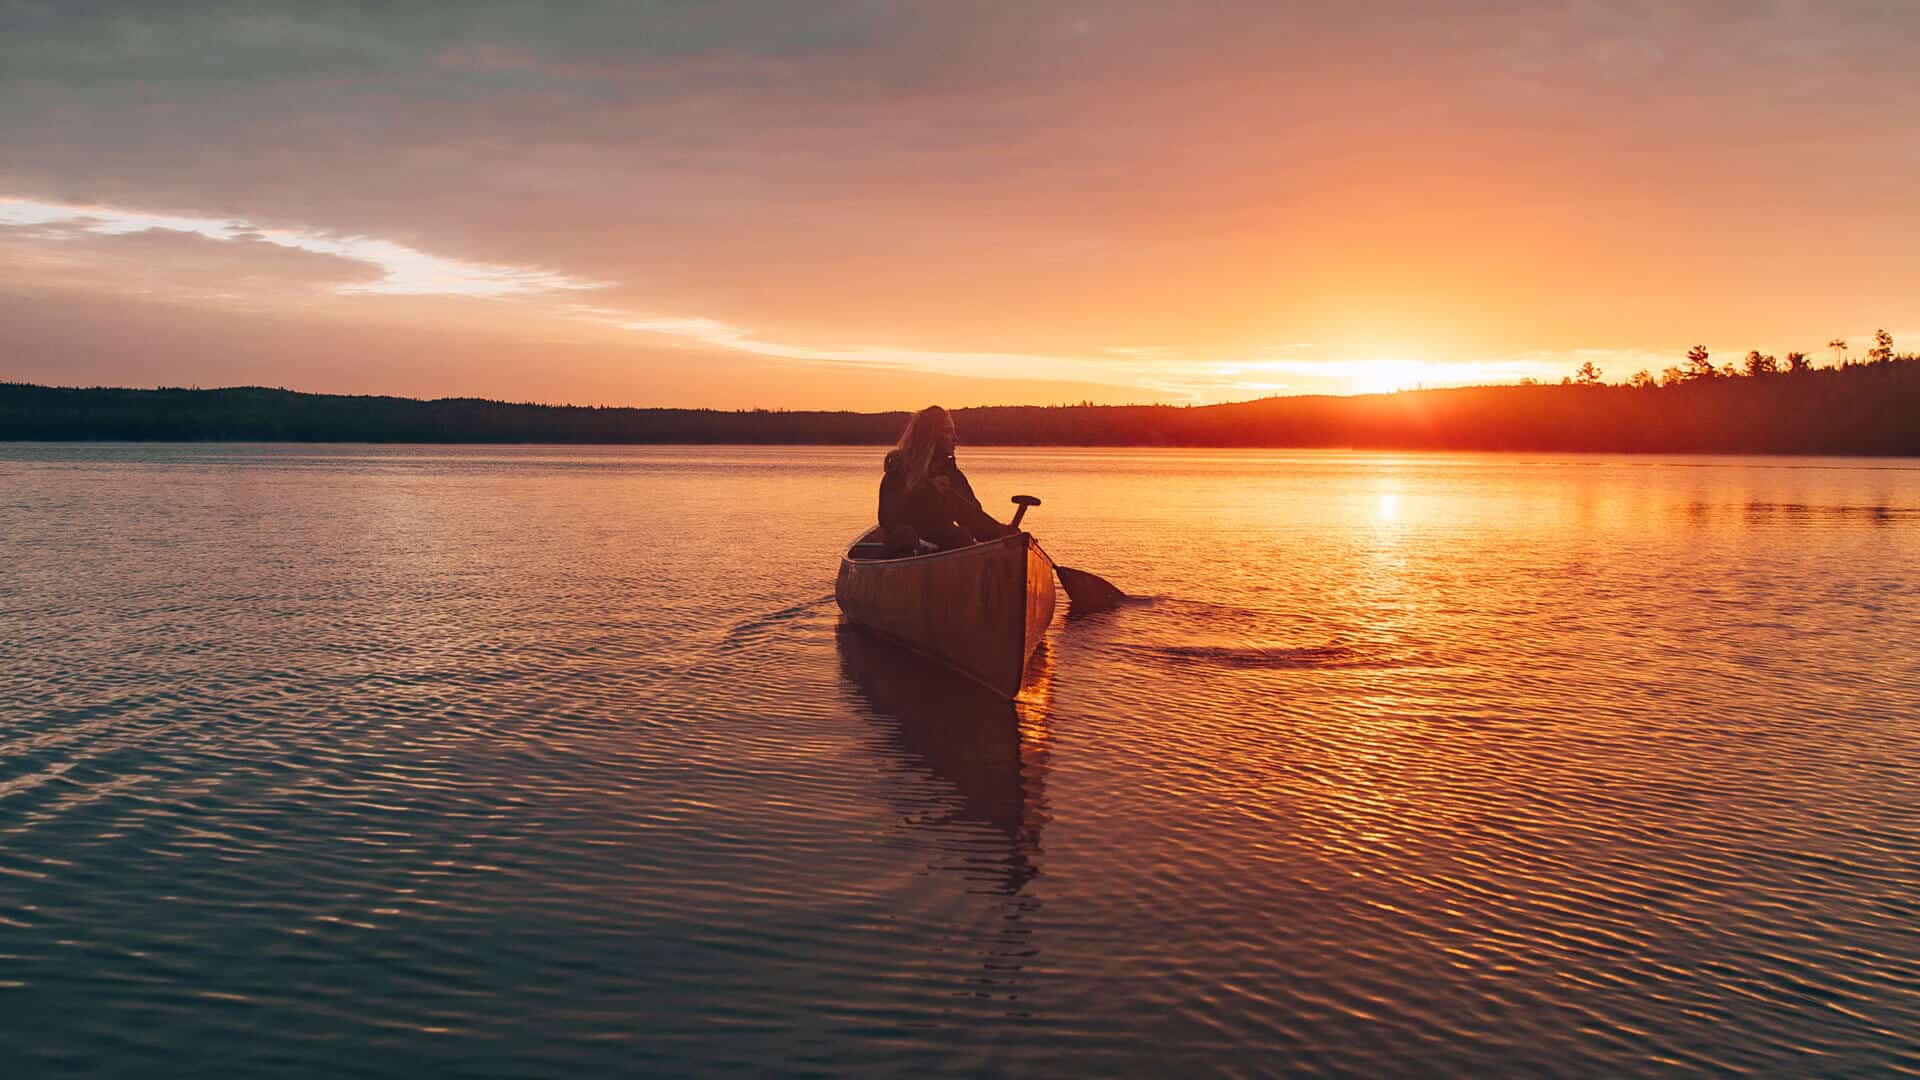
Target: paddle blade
1089,592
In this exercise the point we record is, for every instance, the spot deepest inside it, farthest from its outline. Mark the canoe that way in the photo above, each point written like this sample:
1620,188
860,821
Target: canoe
981,609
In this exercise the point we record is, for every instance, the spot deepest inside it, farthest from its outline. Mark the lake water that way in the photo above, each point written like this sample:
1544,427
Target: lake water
553,761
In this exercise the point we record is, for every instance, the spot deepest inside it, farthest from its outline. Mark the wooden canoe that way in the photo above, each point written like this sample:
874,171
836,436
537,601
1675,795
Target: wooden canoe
982,609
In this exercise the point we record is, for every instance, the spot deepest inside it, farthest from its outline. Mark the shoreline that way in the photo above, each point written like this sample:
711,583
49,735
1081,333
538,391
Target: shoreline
1858,411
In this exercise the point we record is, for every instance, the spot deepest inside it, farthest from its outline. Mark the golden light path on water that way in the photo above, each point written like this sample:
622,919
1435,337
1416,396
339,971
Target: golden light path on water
540,760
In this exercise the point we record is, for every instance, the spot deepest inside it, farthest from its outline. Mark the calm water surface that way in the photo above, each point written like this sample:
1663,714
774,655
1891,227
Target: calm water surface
538,761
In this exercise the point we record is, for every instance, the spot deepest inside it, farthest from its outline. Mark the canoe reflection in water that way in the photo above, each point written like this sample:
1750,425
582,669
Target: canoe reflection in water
990,751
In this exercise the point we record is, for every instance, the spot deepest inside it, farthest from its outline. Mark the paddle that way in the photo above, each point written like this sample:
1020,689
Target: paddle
1089,592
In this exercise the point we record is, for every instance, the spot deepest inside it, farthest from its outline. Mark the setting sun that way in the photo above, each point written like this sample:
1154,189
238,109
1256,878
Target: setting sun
1386,376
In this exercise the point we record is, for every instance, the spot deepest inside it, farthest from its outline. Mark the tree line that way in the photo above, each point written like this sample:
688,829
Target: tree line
1699,365
1854,408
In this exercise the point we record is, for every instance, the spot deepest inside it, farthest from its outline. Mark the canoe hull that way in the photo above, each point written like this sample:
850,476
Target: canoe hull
982,609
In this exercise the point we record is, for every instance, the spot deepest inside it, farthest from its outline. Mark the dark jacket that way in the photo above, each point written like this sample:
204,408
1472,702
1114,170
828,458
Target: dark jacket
941,509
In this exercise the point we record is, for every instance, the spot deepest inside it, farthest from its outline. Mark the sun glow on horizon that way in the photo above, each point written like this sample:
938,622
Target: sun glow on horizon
535,299
532,295
1387,376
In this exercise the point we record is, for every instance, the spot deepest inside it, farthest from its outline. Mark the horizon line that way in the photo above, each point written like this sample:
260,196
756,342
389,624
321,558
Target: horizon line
1082,404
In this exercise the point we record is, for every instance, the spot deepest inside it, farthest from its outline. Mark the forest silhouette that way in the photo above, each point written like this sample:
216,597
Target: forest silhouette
1870,407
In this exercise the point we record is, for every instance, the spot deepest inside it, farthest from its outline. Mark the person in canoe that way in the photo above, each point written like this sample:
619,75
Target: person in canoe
925,500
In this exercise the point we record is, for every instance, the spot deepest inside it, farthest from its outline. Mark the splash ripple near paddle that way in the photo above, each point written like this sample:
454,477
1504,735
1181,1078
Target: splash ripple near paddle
372,761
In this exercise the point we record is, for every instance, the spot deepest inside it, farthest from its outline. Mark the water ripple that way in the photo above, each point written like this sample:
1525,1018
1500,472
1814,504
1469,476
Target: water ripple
488,762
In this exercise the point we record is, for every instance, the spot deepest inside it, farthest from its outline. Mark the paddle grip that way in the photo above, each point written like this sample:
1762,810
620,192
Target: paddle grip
1023,501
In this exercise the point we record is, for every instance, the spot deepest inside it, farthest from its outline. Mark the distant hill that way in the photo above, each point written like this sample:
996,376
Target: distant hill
1870,409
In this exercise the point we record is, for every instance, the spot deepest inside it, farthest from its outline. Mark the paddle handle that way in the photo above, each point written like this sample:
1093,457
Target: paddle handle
1023,501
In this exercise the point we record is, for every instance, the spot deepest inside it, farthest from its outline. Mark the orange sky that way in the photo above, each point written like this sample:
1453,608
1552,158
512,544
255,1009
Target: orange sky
876,206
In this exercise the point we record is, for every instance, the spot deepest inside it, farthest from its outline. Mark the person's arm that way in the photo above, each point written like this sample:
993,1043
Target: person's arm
967,511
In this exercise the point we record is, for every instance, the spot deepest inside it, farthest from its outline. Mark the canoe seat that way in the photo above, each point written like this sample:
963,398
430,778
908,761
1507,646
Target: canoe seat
875,549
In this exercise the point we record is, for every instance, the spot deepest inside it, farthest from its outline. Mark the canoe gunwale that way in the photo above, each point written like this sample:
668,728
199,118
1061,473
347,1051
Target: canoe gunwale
909,560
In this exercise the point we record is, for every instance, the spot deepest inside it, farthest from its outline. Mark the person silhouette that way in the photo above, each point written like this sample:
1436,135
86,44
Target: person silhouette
925,501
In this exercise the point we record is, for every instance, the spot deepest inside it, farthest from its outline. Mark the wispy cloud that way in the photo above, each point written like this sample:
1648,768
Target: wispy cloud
404,271
1166,371
1171,372
713,332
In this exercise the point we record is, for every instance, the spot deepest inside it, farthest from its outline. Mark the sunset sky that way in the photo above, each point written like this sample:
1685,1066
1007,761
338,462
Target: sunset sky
880,205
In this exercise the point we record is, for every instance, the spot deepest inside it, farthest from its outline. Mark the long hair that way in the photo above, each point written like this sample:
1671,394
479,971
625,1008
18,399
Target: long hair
920,442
